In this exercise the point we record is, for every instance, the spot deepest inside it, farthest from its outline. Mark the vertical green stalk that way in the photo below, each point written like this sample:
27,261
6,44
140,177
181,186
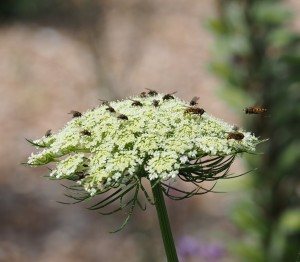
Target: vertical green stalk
164,223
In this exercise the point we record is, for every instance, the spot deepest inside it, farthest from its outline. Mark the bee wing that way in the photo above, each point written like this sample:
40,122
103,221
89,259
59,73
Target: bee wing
195,98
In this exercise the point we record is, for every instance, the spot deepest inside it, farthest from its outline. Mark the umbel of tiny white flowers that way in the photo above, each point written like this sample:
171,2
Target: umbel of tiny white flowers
159,137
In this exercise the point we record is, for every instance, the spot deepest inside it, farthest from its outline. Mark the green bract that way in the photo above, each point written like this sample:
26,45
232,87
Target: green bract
101,150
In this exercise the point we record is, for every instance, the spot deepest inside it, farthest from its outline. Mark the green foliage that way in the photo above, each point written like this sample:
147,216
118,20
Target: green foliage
23,8
257,58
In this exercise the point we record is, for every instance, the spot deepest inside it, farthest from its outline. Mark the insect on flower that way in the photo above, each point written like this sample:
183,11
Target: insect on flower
155,103
104,102
152,92
255,110
110,109
236,135
194,111
169,96
194,100
136,103
75,113
85,132
122,116
143,94
48,133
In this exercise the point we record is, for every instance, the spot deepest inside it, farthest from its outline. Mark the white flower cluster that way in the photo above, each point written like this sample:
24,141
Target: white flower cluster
111,143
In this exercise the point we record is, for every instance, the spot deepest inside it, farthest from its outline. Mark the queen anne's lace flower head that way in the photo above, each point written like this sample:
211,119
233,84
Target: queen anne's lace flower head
109,145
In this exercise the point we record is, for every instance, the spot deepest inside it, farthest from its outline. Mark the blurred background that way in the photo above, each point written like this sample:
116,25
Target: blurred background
57,56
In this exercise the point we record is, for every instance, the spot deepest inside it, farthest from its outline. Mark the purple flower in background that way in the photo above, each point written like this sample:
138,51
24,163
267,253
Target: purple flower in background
190,247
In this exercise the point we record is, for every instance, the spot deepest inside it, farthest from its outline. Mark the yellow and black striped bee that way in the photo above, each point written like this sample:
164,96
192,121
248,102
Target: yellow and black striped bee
136,103
236,135
85,132
155,103
48,133
194,111
75,113
255,110
152,92
110,109
122,116
194,100
169,96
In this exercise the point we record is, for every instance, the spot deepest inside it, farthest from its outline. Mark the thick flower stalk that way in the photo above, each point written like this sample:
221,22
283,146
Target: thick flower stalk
161,138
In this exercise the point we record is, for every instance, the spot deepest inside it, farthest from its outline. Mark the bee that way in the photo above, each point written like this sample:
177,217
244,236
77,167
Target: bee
48,133
155,103
194,111
143,94
169,96
85,132
194,101
110,109
235,135
75,113
152,92
136,103
122,116
104,102
255,110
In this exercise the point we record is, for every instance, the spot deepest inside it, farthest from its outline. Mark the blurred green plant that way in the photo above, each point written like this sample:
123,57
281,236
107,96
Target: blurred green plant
257,58
23,8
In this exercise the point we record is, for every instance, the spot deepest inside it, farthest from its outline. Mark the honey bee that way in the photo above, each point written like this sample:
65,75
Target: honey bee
194,101
75,113
152,92
143,94
235,135
169,96
194,111
255,110
48,133
122,116
155,103
136,103
104,102
85,132
110,109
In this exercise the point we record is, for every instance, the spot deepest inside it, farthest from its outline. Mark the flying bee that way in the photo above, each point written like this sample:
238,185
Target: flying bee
169,96
48,133
194,101
110,109
85,132
255,110
136,103
155,103
75,113
235,135
104,102
152,92
122,116
194,111
143,94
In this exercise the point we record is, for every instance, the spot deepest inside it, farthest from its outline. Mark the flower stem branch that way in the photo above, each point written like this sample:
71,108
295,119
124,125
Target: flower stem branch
164,222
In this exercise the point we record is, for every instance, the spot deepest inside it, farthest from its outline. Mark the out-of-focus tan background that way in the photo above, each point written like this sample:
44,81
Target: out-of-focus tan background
68,59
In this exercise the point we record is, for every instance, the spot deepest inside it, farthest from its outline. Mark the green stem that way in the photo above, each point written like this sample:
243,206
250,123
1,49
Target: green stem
164,223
